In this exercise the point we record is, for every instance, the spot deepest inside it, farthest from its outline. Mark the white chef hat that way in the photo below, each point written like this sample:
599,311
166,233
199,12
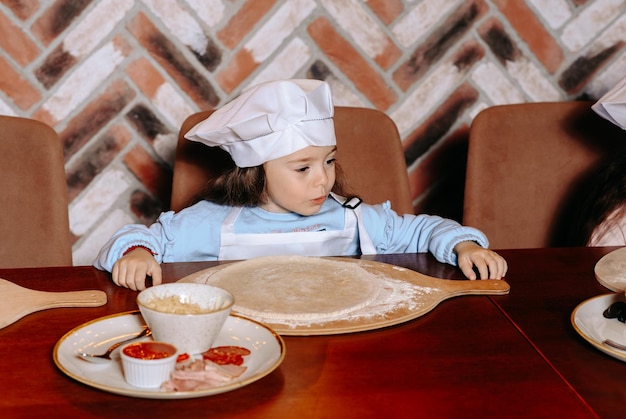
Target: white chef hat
270,120
612,105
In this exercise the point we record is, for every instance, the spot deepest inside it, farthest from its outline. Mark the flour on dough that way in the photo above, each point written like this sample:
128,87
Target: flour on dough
297,287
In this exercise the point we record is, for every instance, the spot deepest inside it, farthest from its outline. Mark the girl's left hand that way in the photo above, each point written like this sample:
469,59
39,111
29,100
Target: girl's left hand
489,264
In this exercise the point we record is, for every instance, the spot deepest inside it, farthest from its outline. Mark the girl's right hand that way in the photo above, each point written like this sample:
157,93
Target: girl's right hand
131,270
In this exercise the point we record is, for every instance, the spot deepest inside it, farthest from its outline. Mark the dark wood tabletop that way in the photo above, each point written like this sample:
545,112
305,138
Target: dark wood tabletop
515,355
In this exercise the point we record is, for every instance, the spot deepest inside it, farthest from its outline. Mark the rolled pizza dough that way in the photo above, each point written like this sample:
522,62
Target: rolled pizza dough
297,287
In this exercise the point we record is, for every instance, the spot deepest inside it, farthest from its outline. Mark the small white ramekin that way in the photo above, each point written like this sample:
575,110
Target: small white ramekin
145,372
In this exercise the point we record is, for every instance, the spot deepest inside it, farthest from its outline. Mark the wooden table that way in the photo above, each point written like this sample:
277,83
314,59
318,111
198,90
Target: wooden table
473,356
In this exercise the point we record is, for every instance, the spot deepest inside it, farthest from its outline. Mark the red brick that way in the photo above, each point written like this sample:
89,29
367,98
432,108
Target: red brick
582,71
57,18
96,159
45,117
147,124
93,117
499,41
429,52
145,76
14,41
156,177
386,10
532,31
23,9
240,66
16,87
57,63
366,79
241,23
420,143
168,55
390,54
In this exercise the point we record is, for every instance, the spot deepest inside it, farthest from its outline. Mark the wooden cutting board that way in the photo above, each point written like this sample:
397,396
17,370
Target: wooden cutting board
436,290
18,301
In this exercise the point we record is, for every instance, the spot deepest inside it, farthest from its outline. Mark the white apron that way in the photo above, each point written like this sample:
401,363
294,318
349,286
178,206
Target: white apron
319,243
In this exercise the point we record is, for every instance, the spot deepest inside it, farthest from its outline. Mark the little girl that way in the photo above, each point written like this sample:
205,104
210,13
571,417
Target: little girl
282,196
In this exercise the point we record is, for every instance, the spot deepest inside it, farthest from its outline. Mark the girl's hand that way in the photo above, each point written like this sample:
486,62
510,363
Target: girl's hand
489,264
131,270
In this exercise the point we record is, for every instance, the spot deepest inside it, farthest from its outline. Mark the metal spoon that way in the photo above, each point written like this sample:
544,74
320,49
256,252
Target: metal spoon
106,357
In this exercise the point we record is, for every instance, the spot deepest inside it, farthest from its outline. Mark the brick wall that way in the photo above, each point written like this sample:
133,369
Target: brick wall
116,78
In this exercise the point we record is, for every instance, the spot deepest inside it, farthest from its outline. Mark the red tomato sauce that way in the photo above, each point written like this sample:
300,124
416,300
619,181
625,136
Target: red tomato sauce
138,350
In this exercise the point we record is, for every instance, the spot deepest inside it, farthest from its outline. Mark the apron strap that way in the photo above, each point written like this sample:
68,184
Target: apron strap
228,225
354,204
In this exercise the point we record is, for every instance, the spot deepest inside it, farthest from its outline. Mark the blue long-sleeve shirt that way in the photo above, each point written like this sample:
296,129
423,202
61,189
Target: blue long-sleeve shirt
193,234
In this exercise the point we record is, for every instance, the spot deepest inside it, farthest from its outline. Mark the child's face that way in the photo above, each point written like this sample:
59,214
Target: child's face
301,181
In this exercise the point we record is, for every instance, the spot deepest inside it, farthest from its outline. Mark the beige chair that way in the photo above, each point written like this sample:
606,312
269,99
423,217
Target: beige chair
34,227
528,169
369,150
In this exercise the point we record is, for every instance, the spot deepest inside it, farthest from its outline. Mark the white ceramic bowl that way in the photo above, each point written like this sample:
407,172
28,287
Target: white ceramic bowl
187,315
148,364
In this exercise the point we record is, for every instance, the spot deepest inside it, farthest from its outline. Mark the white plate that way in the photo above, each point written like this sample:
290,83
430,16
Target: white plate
266,346
610,270
589,322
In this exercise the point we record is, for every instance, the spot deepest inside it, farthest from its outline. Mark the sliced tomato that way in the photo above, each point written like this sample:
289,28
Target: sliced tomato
232,349
182,357
226,355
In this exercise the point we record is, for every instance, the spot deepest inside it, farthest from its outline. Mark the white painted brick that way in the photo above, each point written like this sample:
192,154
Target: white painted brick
533,81
95,27
613,35
85,251
82,82
421,19
494,83
210,12
286,63
5,109
352,17
280,26
180,23
342,94
554,12
477,108
419,103
171,105
97,200
584,27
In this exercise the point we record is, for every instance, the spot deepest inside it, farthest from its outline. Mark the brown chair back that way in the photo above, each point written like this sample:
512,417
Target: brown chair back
528,167
34,227
369,151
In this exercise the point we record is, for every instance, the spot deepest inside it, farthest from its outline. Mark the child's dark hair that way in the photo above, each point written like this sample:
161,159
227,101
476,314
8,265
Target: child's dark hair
245,187
608,187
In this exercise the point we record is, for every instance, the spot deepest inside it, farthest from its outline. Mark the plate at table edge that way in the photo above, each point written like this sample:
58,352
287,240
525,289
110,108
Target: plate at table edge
591,310
267,353
610,270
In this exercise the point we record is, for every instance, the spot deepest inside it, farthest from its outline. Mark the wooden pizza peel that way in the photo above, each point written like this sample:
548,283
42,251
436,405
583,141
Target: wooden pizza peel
438,290
18,301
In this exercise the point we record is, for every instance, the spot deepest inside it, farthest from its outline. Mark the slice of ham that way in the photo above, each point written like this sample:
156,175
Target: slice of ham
201,374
